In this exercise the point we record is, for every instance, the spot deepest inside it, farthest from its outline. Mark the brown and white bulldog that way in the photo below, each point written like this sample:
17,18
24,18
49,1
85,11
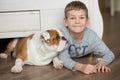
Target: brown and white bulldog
38,49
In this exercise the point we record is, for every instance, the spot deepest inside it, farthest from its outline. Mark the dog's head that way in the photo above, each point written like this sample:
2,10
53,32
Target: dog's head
53,38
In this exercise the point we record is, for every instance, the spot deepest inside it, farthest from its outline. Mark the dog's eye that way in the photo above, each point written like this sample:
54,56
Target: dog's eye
56,38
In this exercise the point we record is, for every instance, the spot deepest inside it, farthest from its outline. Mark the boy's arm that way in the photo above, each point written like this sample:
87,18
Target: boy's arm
107,55
73,65
99,47
66,59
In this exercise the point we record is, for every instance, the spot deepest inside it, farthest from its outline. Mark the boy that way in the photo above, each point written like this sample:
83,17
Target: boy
82,41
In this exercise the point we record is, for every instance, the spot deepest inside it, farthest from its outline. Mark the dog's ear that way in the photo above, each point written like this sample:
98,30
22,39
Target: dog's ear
45,36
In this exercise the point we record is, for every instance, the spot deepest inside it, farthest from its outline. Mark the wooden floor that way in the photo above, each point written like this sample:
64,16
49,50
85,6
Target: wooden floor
111,38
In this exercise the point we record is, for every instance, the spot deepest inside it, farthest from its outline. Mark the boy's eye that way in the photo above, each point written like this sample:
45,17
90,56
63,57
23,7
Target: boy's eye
72,18
82,17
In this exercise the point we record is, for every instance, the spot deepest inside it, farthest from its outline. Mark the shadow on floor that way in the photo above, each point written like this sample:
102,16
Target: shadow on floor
3,44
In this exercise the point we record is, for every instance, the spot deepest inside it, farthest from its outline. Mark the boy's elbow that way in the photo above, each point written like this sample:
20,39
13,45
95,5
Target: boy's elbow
113,56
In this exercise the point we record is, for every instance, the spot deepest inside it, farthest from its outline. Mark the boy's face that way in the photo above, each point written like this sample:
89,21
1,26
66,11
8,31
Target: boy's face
76,20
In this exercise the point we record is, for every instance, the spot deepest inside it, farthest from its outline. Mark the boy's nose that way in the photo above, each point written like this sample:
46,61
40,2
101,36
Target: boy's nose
77,21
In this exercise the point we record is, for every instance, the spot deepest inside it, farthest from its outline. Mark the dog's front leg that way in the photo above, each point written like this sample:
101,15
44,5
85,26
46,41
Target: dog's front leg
17,68
58,64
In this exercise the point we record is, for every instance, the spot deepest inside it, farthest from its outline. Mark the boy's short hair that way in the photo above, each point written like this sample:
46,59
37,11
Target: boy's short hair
75,5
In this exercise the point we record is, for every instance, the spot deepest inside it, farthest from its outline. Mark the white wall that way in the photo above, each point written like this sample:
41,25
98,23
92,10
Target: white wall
51,13
31,4
14,24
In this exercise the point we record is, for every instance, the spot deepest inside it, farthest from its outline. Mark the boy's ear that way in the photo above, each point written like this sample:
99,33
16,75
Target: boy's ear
65,23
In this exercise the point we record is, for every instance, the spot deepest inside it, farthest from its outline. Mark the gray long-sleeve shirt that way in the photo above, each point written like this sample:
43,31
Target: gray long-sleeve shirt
90,43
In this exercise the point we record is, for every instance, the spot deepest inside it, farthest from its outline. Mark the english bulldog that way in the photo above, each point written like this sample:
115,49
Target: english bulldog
37,49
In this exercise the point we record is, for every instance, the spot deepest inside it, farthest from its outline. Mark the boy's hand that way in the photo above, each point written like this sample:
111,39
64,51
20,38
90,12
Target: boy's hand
85,68
101,67
88,69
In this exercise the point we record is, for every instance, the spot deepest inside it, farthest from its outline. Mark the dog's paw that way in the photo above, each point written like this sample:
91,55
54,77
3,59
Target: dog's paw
16,69
3,55
58,64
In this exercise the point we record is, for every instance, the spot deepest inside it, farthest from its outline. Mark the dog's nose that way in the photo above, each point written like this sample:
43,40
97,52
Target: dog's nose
63,38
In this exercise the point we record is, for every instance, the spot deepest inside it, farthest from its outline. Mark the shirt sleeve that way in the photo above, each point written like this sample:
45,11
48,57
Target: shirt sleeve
67,60
99,47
